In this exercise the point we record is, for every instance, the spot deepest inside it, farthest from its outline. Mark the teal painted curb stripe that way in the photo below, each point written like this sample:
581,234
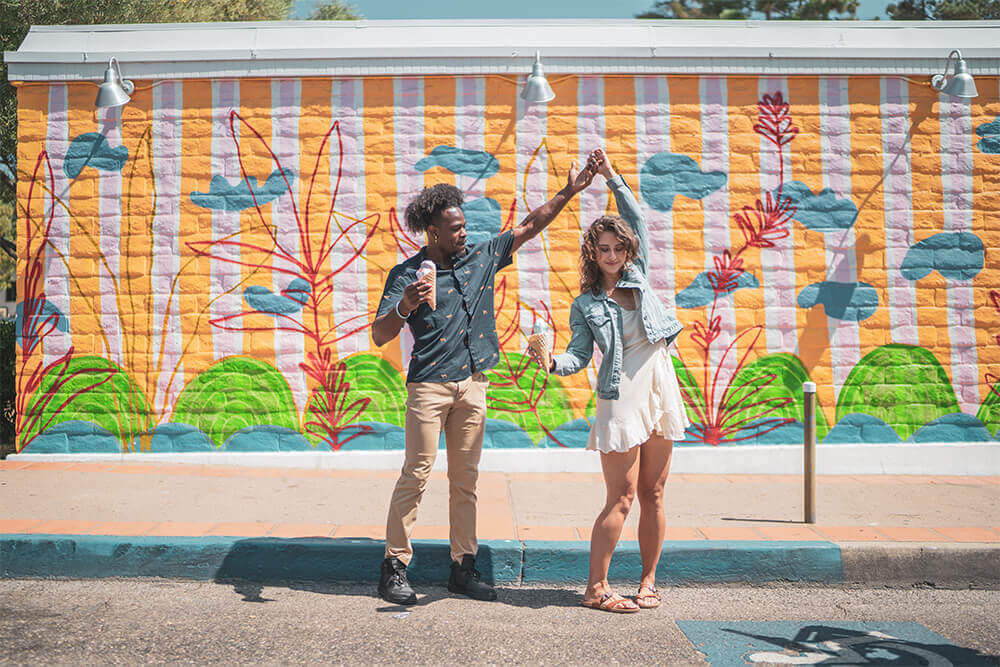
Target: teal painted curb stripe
690,562
267,559
271,559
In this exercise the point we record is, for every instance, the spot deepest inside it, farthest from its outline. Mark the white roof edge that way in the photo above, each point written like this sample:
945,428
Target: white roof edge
367,48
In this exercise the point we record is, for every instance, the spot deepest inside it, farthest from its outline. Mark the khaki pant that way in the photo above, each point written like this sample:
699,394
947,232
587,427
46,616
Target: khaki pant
459,409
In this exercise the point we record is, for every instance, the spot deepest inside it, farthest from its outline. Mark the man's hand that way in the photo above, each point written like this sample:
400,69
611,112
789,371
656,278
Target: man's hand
577,182
416,293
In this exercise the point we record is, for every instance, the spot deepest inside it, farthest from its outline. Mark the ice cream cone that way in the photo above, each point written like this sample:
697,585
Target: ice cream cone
428,273
541,345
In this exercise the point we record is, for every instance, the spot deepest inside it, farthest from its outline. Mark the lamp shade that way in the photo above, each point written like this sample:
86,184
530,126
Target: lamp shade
960,84
537,89
114,92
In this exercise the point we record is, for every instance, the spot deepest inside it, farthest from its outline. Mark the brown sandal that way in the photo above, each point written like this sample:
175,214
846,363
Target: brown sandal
613,603
649,599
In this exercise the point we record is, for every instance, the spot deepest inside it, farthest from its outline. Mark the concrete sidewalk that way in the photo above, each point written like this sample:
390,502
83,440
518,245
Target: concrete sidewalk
873,529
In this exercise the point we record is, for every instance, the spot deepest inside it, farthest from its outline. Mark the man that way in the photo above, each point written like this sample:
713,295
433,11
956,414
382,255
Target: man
446,386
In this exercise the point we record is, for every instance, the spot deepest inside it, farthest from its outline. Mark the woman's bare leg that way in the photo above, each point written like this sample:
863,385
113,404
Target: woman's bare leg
654,465
621,471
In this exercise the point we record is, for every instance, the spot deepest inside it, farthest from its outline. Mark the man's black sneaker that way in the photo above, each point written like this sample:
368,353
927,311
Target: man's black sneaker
392,585
464,579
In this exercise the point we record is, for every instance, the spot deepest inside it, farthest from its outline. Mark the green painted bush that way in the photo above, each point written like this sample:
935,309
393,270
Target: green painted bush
235,393
903,385
789,374
989,411
510,395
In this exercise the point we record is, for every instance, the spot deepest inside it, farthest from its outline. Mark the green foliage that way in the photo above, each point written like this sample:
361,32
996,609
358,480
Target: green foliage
235,393
903,385
511,396
8,230
8,393
944,10
369,377
989,411
117,405
789,374
689,387
799,10
334,10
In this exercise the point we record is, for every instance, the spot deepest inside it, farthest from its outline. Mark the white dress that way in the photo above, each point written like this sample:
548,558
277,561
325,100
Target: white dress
649,396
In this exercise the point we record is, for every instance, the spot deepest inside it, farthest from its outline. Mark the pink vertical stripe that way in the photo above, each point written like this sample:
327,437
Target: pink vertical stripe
289,346
408,123
956,181
350,295
167,130
778,263
897,189
56,287
110,221
226,294
532,191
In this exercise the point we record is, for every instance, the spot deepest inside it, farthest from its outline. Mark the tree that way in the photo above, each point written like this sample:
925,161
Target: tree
334,11
17,16
800,10
945,10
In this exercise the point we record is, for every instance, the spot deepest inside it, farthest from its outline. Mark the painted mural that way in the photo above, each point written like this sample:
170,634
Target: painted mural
199,269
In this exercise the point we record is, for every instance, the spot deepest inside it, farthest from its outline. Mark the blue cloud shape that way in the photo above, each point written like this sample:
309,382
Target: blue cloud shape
478,164
42,313
92,150
843,301
222,196
957,255
482,219
666,175
954,427
858,428
821,212
700,293
990,133
291,299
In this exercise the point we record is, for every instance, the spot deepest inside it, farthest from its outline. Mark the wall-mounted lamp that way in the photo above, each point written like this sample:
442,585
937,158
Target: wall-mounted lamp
537,89
960,84
115,91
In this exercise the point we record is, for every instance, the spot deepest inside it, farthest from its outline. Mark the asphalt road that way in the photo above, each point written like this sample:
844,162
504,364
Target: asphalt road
130,621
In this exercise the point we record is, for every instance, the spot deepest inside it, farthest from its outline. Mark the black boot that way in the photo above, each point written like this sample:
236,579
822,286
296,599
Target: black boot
464,579
393,586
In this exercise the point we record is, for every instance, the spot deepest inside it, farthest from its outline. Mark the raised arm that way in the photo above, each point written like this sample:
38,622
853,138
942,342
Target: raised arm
628,209
539,218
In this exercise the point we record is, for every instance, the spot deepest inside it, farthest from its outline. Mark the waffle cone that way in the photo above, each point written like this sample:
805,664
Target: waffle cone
541,344
431,278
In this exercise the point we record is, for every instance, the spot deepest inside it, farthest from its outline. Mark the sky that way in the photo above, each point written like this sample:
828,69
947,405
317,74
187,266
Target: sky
552,9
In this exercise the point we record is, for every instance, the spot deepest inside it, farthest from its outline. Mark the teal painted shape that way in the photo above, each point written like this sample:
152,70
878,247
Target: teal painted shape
91,149
291,300
573,435
380,437
666,175
858,428
990,133
223,196
687,562
700,292
177,437
43,312
74,437
740,643
267,438
502,434
954,427
231,559
956,255
477,164
823,212
852,302
482,219
756,433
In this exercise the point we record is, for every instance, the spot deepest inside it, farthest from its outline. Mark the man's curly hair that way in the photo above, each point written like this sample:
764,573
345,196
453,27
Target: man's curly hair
429,204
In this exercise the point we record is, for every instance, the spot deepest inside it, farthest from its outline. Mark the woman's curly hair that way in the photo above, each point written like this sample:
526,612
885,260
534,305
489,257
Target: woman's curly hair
590,272
428,205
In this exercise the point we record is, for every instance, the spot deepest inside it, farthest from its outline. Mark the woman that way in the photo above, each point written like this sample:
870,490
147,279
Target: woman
640,411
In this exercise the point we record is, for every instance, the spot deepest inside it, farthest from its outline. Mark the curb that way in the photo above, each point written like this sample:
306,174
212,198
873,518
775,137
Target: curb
356,560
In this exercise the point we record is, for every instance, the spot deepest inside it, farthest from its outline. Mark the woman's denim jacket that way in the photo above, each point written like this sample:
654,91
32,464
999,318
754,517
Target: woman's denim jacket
596,318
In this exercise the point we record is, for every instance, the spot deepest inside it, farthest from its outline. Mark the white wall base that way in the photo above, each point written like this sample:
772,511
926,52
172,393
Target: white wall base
901,459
